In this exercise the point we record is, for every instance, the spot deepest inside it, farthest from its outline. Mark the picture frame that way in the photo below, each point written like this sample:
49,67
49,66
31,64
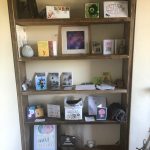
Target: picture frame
113,9
66,79
53,79
92,10
108,47
75,39
97,47
48,132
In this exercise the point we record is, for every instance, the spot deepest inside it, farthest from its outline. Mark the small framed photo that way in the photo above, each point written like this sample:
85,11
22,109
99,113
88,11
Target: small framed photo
108,47
75,39
101,113
120,46
97,47
66,79
53,79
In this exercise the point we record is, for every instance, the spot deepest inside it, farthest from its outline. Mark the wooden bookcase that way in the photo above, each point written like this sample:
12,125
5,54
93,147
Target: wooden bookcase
76,19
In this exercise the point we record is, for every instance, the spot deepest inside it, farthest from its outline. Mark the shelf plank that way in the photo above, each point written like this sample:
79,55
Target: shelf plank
75,21
47,92
74,57
102,147
75,122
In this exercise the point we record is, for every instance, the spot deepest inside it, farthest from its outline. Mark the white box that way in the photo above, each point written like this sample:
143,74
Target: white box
57,12
115,9
73,108
108,47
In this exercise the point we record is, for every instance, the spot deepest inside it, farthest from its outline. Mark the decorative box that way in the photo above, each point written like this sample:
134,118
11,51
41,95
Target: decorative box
73,108
40,81
57,12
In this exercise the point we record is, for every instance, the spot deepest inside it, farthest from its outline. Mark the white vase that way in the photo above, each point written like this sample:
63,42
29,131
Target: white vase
27,51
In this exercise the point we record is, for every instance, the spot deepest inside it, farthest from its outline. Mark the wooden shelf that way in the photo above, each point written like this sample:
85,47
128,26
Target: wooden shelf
47,92
102,147
75,57
59,121
76,21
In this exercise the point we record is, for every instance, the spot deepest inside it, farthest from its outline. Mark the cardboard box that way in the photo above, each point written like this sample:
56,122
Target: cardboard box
73,108
57,12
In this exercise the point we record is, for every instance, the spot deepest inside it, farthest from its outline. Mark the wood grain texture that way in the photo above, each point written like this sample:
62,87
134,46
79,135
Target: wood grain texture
77,21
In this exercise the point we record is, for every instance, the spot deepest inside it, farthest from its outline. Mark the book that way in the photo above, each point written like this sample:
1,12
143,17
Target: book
120,46
85,87
105,87
45,137
108,47
53,48
115,9
43,48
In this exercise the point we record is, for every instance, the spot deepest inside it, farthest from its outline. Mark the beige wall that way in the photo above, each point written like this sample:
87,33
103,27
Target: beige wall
9,124
140,112
140,108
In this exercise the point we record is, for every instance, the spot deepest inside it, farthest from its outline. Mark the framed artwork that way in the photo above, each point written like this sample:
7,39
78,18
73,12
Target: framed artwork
91,10
97,47
115,9
66,79
45,137
54,79
75,39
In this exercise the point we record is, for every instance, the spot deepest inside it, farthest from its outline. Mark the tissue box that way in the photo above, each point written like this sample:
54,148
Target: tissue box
73,108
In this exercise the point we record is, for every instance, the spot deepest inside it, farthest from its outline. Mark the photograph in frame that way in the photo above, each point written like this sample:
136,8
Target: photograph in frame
75,40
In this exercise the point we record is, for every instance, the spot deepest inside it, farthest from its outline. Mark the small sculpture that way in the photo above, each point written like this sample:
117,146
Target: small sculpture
27,51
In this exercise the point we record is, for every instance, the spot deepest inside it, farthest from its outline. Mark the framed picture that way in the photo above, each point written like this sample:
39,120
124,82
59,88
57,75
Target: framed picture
115,9
53,79
97,47
75,39
45,137
91,10
66,79
108,47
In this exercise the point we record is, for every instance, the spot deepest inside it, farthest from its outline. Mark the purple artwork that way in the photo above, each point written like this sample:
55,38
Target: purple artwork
75,40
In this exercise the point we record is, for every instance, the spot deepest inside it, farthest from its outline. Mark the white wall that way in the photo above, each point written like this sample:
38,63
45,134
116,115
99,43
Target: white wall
140,108
9,124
